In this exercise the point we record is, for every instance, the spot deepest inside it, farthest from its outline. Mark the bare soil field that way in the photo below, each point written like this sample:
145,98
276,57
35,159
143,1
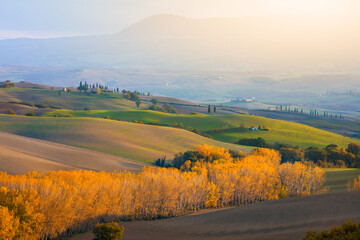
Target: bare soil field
19,155
284,219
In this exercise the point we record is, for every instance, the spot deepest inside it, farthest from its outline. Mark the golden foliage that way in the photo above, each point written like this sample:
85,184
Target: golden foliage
8,224
59,204
311,179
212,197
210,154
354,184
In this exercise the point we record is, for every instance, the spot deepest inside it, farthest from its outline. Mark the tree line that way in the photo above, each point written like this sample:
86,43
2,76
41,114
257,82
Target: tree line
85,86
330,156
132,96
7,85
61,204
312,112
342,92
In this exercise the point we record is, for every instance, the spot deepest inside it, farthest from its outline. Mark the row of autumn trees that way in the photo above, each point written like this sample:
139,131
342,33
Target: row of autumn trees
60,204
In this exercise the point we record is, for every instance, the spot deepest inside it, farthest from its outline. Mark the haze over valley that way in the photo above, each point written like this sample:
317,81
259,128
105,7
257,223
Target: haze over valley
269,58
181,119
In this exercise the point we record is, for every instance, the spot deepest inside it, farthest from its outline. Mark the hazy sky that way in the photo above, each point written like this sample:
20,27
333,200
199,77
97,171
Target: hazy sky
49,18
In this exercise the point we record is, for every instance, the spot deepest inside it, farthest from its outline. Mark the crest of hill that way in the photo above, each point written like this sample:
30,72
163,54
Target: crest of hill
73,100
138,142
33,85
161,25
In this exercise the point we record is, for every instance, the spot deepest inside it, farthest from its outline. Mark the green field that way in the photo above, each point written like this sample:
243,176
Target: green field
73,100
228,126
337,178
133,141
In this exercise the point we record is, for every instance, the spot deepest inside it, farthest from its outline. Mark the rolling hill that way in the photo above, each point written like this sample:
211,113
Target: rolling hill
128,140
229,126
72,100
35,94
279,219
19,155
349,128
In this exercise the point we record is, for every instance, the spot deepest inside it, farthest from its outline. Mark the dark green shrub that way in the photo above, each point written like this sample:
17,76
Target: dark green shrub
27,104
41,105
291,155
108,231
353,148
237,154
255,142
30,114
154,101
181,158
167,108
348,231
54,107
9,111
160,162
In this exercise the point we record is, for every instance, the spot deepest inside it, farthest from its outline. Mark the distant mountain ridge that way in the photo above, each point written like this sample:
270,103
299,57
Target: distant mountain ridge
226,58
174,42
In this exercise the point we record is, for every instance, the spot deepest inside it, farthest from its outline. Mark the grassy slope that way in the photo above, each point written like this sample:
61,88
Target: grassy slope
19,155
71,100
280,131
133,141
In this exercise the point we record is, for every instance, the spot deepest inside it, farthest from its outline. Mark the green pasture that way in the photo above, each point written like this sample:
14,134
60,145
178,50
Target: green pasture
227,127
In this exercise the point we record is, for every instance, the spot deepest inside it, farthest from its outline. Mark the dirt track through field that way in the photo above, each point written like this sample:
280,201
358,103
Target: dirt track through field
19,155
284,219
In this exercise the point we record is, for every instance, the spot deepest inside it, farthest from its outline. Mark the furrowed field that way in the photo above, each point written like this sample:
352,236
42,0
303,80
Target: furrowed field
337,178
